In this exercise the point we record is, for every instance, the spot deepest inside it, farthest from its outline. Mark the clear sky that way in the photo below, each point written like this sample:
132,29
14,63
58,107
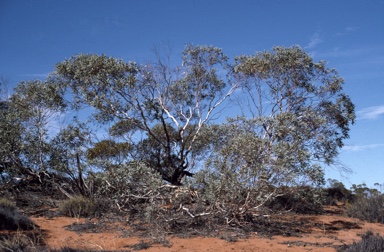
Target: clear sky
348,34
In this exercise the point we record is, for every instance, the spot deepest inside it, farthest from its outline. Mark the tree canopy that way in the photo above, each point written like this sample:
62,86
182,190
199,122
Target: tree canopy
168,105
291,117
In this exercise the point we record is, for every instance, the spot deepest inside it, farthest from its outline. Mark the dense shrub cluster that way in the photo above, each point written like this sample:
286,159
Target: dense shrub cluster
370,209
128,184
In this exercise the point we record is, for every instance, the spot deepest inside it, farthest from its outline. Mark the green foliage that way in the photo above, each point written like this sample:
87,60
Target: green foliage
11,142
79,206
127,184
96,79
300,118
242,162
219,188
37,98
297,104
106,149
168,105
37,103
362,191
24,131
71,141
294,118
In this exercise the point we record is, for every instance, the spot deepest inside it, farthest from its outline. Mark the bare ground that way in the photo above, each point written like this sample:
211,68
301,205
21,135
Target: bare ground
284,232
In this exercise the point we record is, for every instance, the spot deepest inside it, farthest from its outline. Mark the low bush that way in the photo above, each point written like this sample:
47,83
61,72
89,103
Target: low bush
369,209
369,243
128,184
16,243
11,219
79,206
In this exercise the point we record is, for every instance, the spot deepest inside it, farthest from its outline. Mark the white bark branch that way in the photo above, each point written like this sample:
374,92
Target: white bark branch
192,215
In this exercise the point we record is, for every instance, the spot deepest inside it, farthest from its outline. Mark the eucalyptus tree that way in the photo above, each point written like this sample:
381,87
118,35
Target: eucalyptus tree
294,119
25,117
167,106
67,155
10,134
11,129
37,104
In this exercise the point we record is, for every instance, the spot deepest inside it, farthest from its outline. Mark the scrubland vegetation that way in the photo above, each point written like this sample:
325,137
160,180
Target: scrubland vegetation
172,159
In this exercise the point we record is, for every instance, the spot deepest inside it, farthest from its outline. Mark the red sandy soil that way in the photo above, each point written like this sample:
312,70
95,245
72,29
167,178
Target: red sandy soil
321,234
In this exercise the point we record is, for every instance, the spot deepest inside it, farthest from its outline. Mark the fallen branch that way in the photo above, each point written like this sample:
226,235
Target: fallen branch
63,191
193,216
267,198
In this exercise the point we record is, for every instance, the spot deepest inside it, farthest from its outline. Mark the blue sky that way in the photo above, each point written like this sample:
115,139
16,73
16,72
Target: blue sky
349,35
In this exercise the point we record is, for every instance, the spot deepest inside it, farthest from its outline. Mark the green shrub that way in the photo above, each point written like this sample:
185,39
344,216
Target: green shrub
369,243
79,206
369,209
127,184
227,188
